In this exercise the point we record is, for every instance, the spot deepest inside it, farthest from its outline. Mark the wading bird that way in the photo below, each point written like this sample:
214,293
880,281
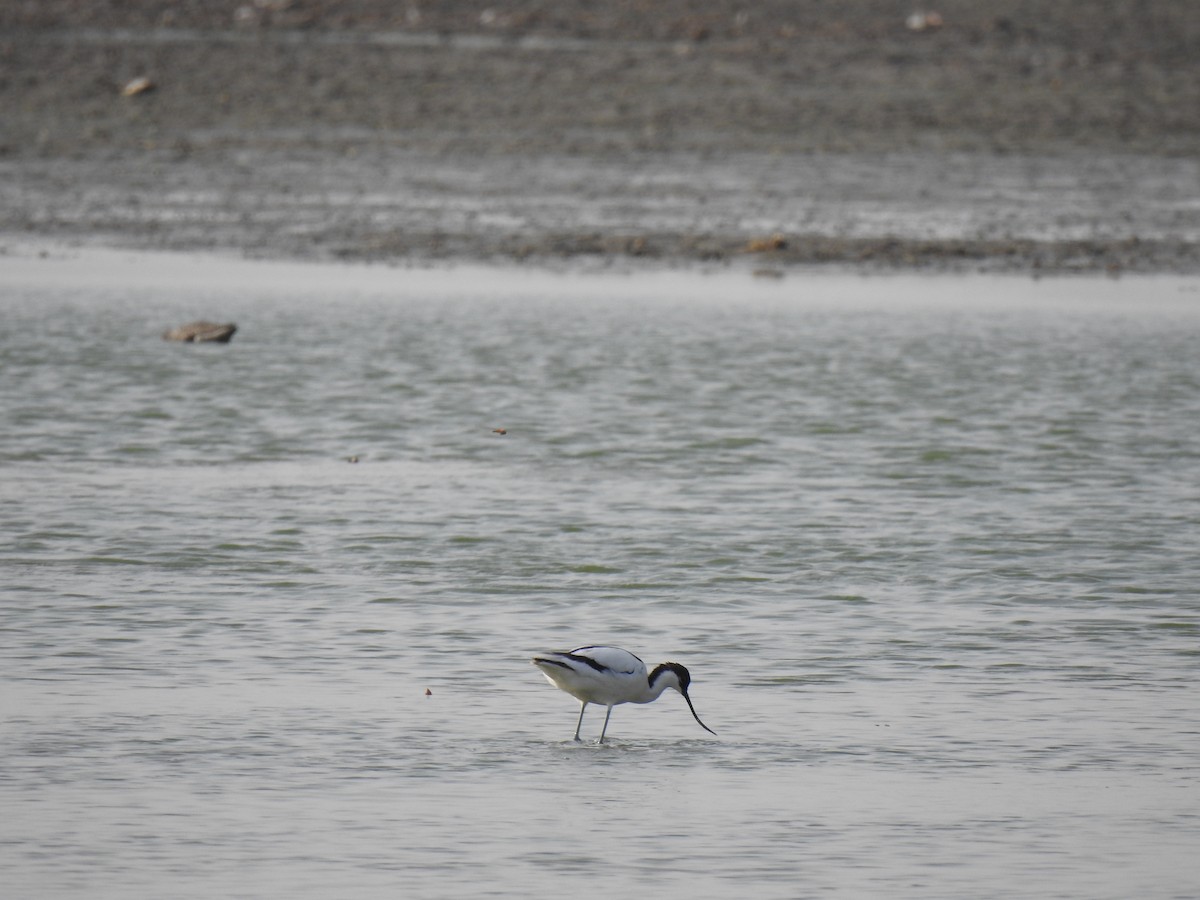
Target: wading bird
608,676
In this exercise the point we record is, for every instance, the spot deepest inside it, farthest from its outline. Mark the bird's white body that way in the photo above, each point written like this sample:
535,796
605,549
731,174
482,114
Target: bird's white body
610,676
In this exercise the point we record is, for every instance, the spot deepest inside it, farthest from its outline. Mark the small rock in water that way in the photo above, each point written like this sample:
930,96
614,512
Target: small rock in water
196,332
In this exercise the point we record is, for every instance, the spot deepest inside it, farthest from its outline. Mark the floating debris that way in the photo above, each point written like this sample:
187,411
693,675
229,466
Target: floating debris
201,332
137,86
352,459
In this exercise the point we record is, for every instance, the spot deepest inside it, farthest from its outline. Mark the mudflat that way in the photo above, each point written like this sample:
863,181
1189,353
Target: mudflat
1057,135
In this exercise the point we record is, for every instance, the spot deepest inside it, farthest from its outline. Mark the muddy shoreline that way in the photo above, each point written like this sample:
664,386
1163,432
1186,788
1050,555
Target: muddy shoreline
1017,136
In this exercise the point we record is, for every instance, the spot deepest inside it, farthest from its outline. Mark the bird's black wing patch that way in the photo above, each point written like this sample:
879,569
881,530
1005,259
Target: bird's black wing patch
541,660
597,666
586,660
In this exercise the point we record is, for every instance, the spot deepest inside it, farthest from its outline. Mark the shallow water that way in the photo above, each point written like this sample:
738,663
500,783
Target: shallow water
927,547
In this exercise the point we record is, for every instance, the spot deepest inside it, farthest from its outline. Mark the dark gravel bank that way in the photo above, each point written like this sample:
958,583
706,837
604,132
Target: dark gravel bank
1051,136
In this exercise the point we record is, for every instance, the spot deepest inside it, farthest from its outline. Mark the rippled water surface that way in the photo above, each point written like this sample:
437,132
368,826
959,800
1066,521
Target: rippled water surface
929,549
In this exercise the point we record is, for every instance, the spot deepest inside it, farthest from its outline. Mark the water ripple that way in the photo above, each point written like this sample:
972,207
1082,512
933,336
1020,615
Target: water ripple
930,565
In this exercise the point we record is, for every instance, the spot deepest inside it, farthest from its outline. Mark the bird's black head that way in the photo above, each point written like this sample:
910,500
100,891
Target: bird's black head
682,675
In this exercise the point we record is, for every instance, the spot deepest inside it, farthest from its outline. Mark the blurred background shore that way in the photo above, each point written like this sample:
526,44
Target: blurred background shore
1002,136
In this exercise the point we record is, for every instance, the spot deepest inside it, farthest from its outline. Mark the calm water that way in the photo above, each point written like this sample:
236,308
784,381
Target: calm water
928,548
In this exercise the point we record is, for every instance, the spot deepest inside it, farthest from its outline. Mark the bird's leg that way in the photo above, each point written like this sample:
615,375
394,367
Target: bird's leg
579,724
605,728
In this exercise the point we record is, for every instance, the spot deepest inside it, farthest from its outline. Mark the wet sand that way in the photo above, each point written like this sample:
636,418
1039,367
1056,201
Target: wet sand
1017,136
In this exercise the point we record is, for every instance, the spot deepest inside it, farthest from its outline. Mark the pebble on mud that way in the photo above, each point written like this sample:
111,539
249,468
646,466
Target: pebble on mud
140,85
924,21
766,244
